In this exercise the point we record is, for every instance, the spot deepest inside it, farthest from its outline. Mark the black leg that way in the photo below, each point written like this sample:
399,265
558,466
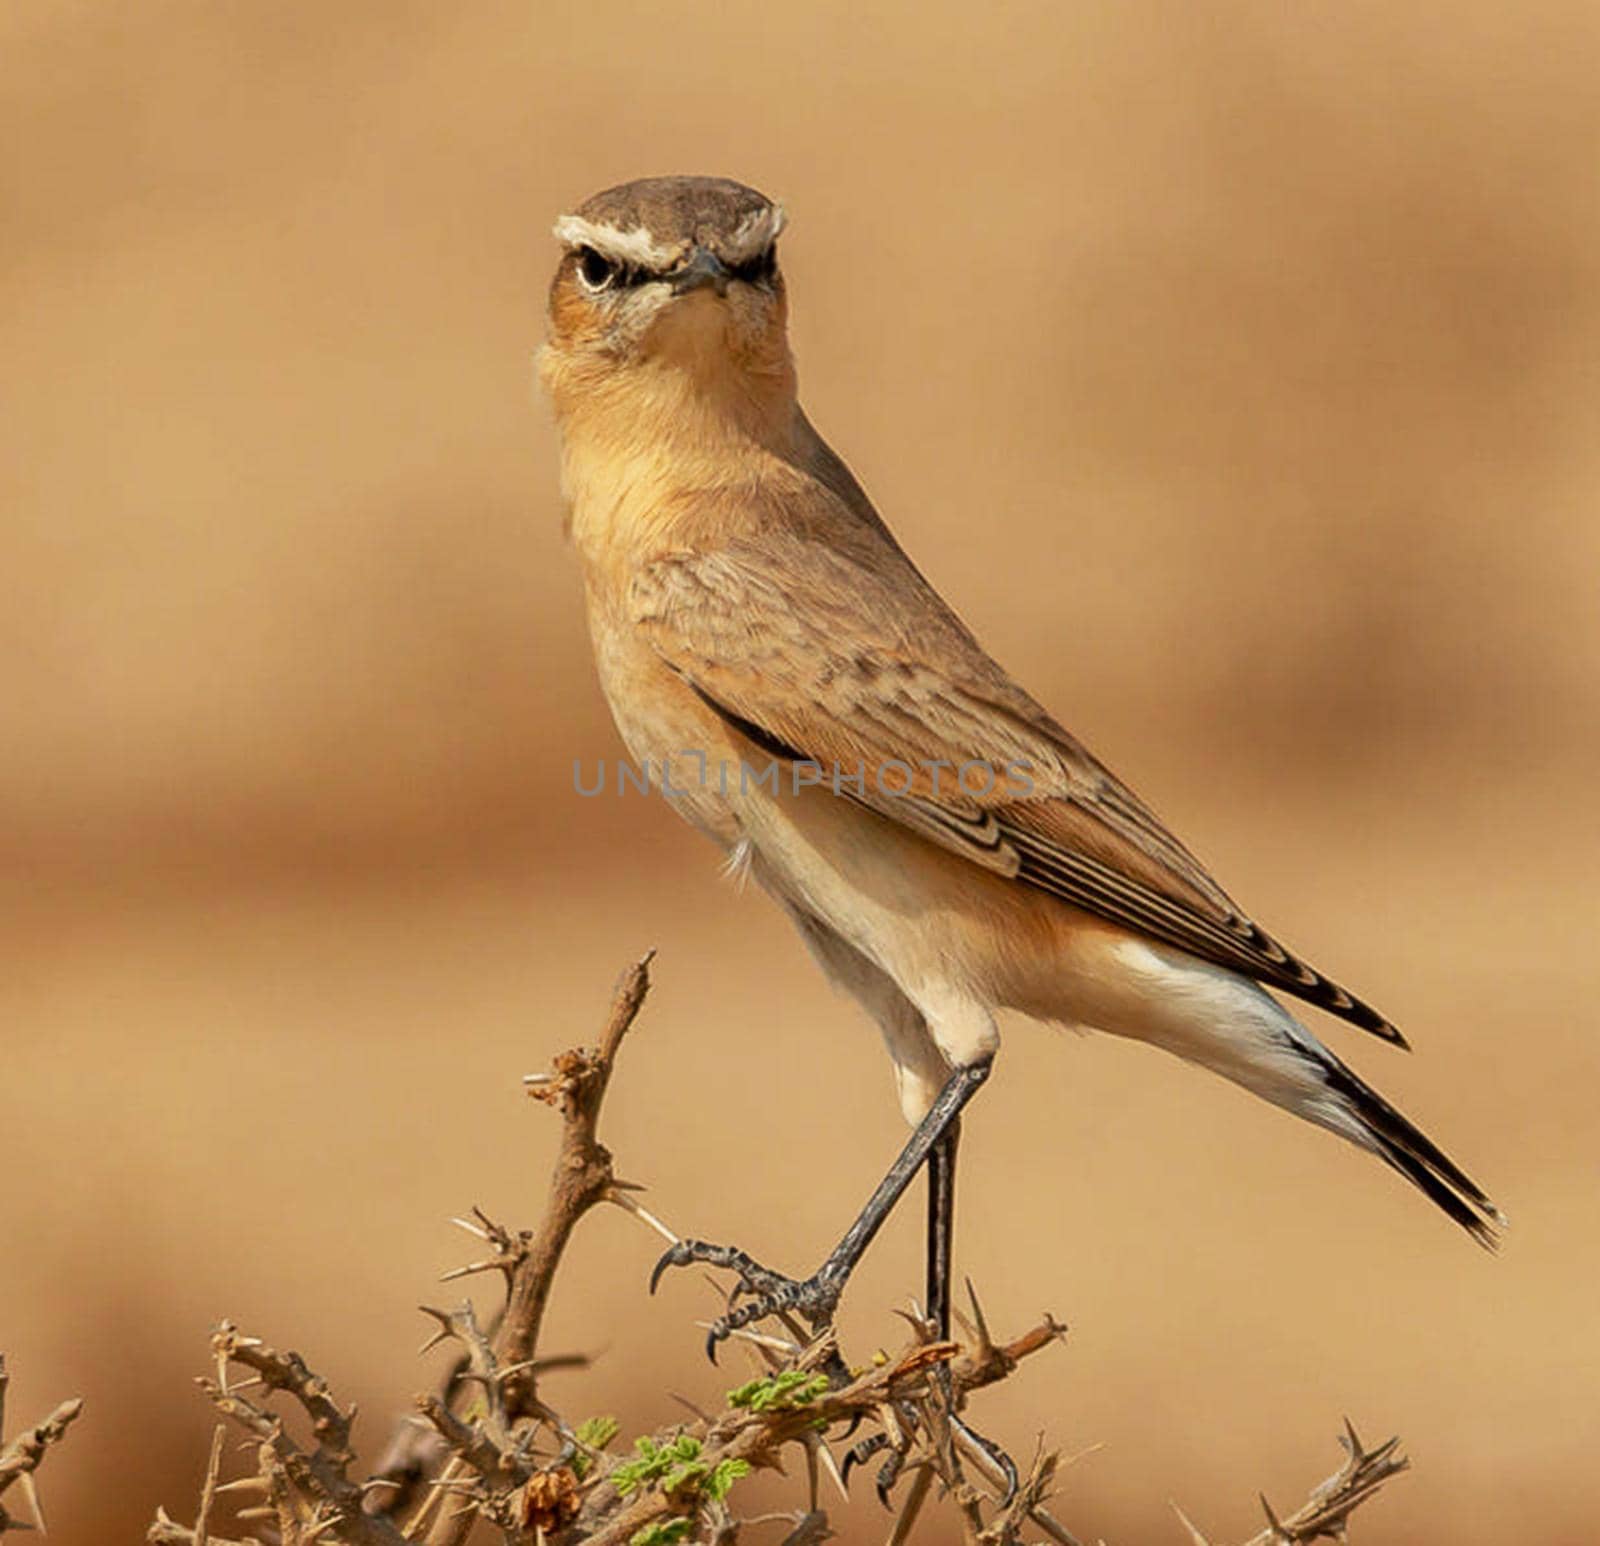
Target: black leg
815,1297
941,1226
941,1252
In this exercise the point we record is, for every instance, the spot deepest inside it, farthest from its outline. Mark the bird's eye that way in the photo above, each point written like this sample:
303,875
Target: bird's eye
757,270
596,271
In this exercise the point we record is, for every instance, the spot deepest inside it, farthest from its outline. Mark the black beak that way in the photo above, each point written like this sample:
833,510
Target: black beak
701,268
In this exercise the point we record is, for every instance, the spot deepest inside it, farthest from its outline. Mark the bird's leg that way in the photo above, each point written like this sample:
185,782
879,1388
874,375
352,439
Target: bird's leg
940,1244
941,1226
816,1297
941,1250
898,1447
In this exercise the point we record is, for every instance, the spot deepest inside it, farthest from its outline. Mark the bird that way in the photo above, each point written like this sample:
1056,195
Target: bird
945,847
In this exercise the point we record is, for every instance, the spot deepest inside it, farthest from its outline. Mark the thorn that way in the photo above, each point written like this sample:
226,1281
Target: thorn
913,1318
760,1338
831,1466
1274,1524
699,1412
443,1334
31,1493
1352,1441
244,1484
470,1269
985,1341
620,1198
560,1361
1196,1538
471,1228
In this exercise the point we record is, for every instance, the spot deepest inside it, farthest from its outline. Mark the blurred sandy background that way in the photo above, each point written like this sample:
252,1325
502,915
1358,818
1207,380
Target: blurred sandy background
1230,366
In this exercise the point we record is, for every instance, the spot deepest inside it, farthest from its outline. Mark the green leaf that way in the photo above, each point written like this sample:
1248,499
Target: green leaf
778,1392
597,1432
685,1474
664,1532
720,1483
679,1457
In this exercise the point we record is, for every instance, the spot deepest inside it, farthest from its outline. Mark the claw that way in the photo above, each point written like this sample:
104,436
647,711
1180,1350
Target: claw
888,1472
859,1454
682,1253
996,1457
763,1291
888,1475
753,1277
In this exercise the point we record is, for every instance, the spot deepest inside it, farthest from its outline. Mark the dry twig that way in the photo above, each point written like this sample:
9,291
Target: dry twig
488,1449
1326,1514
21,1457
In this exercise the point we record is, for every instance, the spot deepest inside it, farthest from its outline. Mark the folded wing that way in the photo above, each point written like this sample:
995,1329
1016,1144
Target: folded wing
851,661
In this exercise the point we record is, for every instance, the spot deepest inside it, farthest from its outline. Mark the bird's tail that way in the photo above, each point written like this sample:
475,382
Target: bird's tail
1417,1157
1214,1017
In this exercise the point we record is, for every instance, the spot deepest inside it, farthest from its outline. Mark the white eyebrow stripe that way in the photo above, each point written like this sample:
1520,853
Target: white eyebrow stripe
636,247
755,233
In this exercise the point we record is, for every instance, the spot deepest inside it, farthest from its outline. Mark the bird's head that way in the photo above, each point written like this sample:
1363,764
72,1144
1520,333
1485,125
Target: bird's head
669,279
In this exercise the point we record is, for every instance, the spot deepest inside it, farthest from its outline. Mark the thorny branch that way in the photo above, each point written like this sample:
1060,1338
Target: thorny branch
1326,1514
488,1449
20,1458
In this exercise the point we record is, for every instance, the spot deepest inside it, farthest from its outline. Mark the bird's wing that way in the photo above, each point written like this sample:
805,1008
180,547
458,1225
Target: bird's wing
815,654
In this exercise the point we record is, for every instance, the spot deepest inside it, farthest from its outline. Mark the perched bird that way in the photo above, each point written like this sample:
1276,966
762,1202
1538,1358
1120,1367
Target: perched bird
807,699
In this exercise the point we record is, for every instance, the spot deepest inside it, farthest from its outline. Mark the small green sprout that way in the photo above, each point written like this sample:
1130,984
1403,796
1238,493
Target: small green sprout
780,1392
593,1434
597,1432
664,1532
720,1483
678,1466
673,1464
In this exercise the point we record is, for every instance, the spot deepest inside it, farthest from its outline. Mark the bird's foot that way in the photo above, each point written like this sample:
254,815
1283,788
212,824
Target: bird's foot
764,1291
898,1447
999,1469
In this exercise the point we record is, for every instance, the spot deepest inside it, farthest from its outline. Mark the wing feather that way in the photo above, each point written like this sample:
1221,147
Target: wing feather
814,654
